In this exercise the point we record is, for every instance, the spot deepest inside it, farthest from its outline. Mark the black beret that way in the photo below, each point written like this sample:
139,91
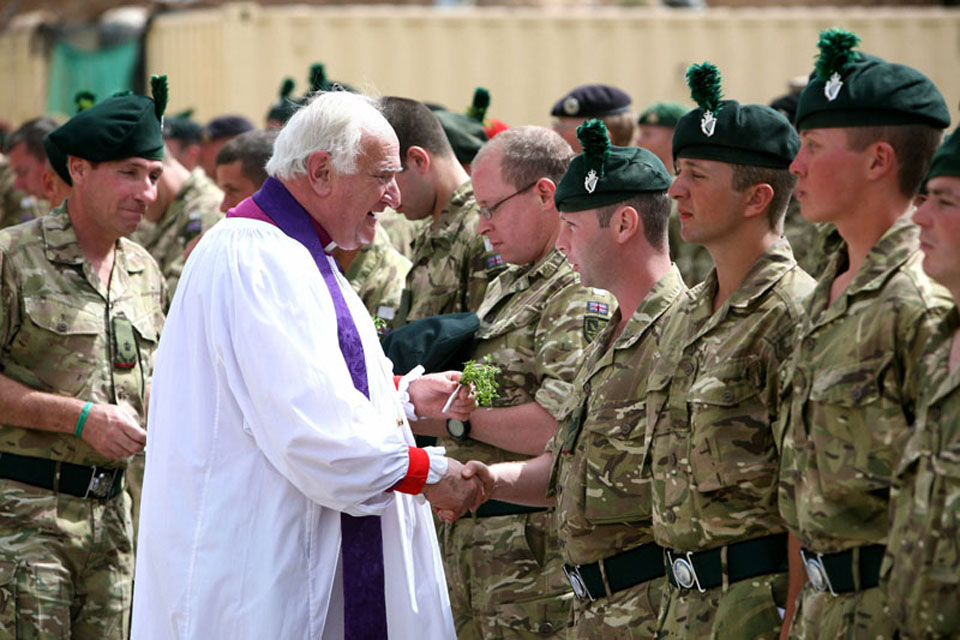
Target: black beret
223,126
605,174
591,101
184,129
853,89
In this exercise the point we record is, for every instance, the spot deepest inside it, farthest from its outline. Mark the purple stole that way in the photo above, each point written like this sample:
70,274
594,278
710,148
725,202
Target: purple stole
361,546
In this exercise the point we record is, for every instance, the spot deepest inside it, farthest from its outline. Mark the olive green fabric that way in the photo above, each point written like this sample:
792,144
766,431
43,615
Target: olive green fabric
466,134
946,162
662,114
750,134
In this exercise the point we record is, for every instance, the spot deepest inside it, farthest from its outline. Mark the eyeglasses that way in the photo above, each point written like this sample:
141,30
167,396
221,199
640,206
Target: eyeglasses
487,212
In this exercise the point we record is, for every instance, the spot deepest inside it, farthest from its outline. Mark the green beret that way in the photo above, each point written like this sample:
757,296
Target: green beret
465,133
119,127
852,89
605,174
946,162
284,106
662,114
439,343
726,131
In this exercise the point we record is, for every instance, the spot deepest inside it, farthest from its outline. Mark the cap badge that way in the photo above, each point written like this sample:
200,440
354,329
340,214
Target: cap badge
653,118
571,106
590,182
832,88
708,123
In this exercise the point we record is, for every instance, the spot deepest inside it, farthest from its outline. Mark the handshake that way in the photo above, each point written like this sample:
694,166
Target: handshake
463,488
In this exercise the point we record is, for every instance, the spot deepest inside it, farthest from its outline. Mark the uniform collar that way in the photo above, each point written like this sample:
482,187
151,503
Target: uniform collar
450,223
60,243
657,301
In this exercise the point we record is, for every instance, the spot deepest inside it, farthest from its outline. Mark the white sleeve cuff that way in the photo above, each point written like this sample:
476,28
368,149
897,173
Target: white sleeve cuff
404,389
438,464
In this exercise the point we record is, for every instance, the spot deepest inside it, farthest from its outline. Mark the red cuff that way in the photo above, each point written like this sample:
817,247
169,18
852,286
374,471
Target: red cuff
416,473
396,382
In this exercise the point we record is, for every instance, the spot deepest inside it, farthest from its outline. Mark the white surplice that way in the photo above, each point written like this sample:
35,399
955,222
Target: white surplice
257,440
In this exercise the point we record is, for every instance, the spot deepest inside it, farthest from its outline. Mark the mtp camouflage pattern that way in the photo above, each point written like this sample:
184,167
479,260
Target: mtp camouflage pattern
713,398
193,211
452,263
15,205
377,273
68,562
533,323
851,391
402,230
922,566
602,475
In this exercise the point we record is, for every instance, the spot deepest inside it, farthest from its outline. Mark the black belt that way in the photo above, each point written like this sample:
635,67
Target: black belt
75,479
624,570
833,572
748,559
498,508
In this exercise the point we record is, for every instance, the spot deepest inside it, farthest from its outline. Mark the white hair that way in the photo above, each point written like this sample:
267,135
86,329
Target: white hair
333,121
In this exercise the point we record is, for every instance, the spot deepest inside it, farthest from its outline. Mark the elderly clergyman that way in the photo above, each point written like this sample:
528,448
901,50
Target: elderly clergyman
284,496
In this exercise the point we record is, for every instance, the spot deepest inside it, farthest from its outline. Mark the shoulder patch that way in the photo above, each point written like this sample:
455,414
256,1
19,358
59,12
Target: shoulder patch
601,308
592,326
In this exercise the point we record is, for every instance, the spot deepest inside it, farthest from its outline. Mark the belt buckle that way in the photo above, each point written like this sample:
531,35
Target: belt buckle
576,581
684,573
100,483
816,572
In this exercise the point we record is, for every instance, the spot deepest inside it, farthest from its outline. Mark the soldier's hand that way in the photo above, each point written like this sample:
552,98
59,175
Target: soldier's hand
479,471
454,495
430,393
113,432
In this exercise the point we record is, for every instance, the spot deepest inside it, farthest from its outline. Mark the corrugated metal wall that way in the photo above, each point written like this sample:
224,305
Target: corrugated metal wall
233,58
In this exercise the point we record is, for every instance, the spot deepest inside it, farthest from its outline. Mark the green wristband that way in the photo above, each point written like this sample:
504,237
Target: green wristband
82,420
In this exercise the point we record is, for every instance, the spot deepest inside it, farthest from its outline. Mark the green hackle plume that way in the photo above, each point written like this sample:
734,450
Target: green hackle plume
158,88
836,51
84,100
120,93
595,142
481,102
705,86
318,77
186,114
286,89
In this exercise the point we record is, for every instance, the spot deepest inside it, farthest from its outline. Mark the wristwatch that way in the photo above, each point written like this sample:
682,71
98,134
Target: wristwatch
459,429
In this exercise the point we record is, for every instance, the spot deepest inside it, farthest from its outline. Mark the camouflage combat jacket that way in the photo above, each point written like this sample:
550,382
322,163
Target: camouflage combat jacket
712,399
601,469
452,263
852,388
401,230
62,331
536,321
377,274
922,566
693,260
15,205
195,209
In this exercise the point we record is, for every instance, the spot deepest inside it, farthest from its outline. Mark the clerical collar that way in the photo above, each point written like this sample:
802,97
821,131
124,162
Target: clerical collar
274,196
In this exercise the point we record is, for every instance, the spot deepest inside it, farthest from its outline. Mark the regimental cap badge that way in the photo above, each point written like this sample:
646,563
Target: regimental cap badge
653,118
595,141
704,82
836,51
590,181
571,106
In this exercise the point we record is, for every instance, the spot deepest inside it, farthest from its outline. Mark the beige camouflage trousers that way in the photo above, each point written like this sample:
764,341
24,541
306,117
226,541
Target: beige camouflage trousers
505,576
630,614
66,565
853,616
745,609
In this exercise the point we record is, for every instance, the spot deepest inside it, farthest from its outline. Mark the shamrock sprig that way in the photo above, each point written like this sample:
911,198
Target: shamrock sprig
482,376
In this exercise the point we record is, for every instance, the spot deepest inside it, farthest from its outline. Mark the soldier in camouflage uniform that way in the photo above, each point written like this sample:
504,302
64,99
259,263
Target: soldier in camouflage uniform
852,384
377,272
187,205
452,263
402,231
922,564
503,565
713,393
36,184
614,233
14,207
80,316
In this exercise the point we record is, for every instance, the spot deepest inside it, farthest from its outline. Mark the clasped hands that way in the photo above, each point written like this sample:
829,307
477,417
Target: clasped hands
464,487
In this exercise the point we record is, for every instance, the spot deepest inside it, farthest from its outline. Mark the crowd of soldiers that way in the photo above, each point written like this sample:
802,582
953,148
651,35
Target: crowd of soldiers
726,335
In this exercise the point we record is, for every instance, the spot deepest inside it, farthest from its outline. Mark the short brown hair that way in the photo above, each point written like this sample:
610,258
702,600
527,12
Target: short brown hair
622,128
654,210
913,144
780,180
